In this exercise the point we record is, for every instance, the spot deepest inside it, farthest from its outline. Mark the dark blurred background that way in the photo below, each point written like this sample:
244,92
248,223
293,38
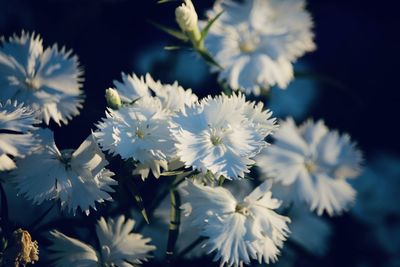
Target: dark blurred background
353,74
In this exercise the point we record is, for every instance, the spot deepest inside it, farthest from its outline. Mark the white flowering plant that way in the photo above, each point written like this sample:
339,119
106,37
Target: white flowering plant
168,174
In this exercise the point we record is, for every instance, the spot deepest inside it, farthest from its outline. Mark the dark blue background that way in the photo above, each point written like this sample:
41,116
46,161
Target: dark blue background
357,46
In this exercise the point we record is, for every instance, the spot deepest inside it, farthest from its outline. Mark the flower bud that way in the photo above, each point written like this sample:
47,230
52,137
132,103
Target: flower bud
186,16
113,99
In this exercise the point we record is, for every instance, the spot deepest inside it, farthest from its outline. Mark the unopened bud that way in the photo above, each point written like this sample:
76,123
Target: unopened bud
186,16
113,99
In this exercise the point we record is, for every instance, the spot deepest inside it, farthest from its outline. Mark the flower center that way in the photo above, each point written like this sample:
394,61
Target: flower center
242,210
216,140
310,166
66,156
140,134
248,45
31,83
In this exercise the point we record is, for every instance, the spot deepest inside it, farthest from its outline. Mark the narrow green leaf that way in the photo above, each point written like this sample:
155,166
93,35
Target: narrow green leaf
165,1
138,199
171,173
175,33
208,58
204,32
172,47
144,215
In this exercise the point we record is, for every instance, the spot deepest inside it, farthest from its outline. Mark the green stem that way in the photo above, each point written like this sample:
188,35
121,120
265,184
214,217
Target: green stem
159,199
175,220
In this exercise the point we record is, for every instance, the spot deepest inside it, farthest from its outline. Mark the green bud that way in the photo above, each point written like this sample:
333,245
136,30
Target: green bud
113,99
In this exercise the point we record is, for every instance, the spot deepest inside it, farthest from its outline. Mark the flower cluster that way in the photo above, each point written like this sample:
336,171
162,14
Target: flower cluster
153,129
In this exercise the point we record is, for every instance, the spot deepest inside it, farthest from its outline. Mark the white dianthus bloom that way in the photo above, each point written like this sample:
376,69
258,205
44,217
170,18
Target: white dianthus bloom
173,97
310,163
119,246
49,80
237,230
186,16
16,140
257,41
218,135
131,88
139,132
77,178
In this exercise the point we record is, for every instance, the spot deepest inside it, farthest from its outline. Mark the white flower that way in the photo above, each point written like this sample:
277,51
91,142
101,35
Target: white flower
186,16
16,140
237,230
222,135
131,88
48,80
77,178
311,164
139,132
173,97
119,246
257,41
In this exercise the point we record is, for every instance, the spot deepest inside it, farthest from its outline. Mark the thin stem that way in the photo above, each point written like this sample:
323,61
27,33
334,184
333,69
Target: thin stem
175,221
159,199
191,246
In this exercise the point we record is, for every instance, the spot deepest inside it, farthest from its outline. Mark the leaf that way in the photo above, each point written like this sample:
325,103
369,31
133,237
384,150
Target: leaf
204,32
165,1
172,173
208,58
175,33
172,47
138,199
